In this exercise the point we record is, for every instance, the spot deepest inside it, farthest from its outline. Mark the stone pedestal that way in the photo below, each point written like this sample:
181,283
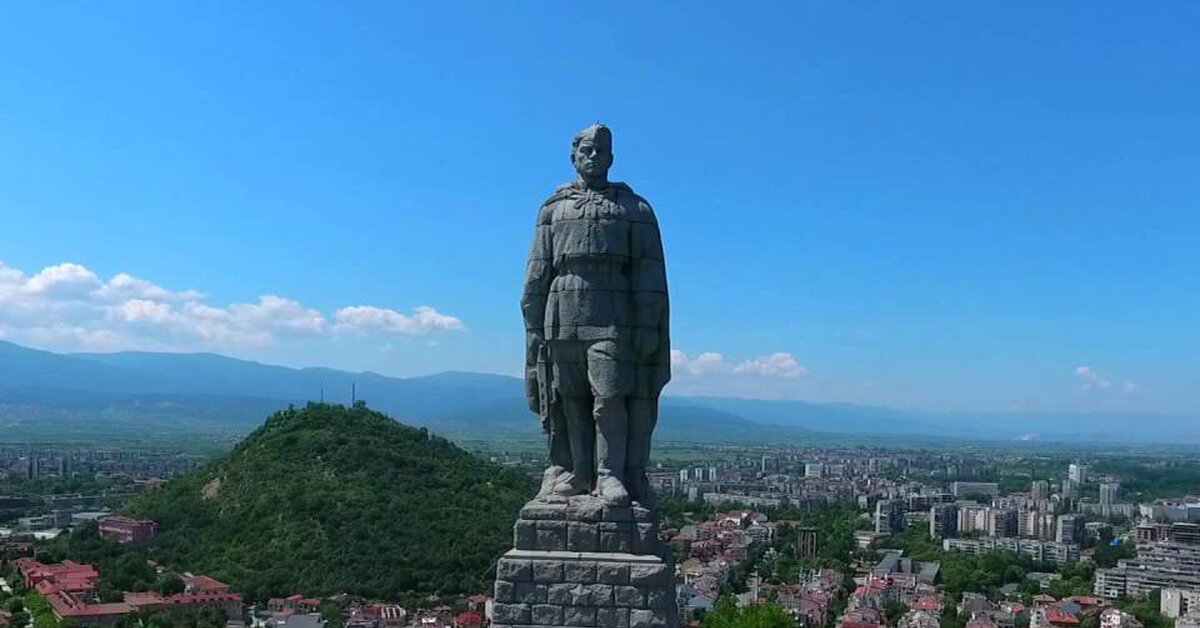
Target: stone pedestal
581,564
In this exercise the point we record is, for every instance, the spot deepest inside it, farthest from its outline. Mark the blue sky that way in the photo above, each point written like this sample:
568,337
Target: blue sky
941,206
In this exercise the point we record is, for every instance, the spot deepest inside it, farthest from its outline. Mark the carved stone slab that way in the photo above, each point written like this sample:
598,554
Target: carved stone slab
584,589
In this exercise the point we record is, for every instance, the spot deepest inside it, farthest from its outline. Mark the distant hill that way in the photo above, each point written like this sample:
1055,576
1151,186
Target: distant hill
328,499
680,421
46,395
134,395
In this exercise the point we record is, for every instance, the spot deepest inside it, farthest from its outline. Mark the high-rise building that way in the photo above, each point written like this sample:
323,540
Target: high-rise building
1070,489
972,518
1040,489
1108,493
943,521
683,475
1026,523
1047,525
814,470
1077,473
1002,523
1070,529
889,516
712,474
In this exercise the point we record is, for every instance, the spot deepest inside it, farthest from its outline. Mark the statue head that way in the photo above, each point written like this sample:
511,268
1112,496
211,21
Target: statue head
591,153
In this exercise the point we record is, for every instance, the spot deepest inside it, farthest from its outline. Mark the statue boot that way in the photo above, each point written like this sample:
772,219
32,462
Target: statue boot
612,433
580,428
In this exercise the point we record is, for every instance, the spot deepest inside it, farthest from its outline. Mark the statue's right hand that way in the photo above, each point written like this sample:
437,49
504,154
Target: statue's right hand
533,344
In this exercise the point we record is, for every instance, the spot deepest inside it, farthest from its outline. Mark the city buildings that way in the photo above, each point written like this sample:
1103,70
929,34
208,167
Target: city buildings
126,530
972,518
1042,551
965,489
943,521
1108,493
1164,565
1077,473
1002,522
1115,618
1175,603
1070,529
889,516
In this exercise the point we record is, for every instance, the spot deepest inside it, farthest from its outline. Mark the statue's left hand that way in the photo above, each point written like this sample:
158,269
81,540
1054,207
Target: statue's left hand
645,341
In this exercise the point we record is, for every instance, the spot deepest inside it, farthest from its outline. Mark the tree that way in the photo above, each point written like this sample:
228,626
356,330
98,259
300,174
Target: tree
109,595
727,614
894,611
333,615
170,584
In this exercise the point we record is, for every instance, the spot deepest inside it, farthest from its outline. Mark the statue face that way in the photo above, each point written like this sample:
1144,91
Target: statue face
592,157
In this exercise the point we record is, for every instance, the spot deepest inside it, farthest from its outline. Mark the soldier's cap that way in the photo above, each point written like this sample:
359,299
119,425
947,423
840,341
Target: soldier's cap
597,132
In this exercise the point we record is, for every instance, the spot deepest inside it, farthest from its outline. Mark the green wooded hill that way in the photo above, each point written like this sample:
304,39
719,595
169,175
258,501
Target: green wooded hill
328,499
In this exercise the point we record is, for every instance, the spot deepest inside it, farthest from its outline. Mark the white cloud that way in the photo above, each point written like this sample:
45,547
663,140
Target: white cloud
780,364
123,286
63,279
703,364
144,311
366,319
279,314
1091,379
68,307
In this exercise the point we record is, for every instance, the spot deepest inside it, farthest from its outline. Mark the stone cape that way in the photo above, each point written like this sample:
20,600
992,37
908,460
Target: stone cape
578,562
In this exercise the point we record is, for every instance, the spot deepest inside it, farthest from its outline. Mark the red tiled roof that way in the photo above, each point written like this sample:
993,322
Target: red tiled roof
143,598
192,598
204,583
1056,616
96,610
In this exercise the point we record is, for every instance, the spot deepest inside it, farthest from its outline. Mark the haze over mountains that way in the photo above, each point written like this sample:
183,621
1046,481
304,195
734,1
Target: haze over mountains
163,395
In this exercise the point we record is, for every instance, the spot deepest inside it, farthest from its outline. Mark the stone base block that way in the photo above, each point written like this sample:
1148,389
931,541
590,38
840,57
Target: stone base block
585,524
536,588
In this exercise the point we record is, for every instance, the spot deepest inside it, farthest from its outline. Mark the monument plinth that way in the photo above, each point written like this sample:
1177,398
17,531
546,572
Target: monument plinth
579,562
586,551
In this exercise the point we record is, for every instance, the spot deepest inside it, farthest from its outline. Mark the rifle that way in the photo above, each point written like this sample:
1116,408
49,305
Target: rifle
545,387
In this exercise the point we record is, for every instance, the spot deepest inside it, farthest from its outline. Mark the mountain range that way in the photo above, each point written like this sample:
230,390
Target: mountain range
45,395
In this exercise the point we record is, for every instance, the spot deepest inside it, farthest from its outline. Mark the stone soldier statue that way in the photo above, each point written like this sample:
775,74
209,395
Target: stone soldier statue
596,319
